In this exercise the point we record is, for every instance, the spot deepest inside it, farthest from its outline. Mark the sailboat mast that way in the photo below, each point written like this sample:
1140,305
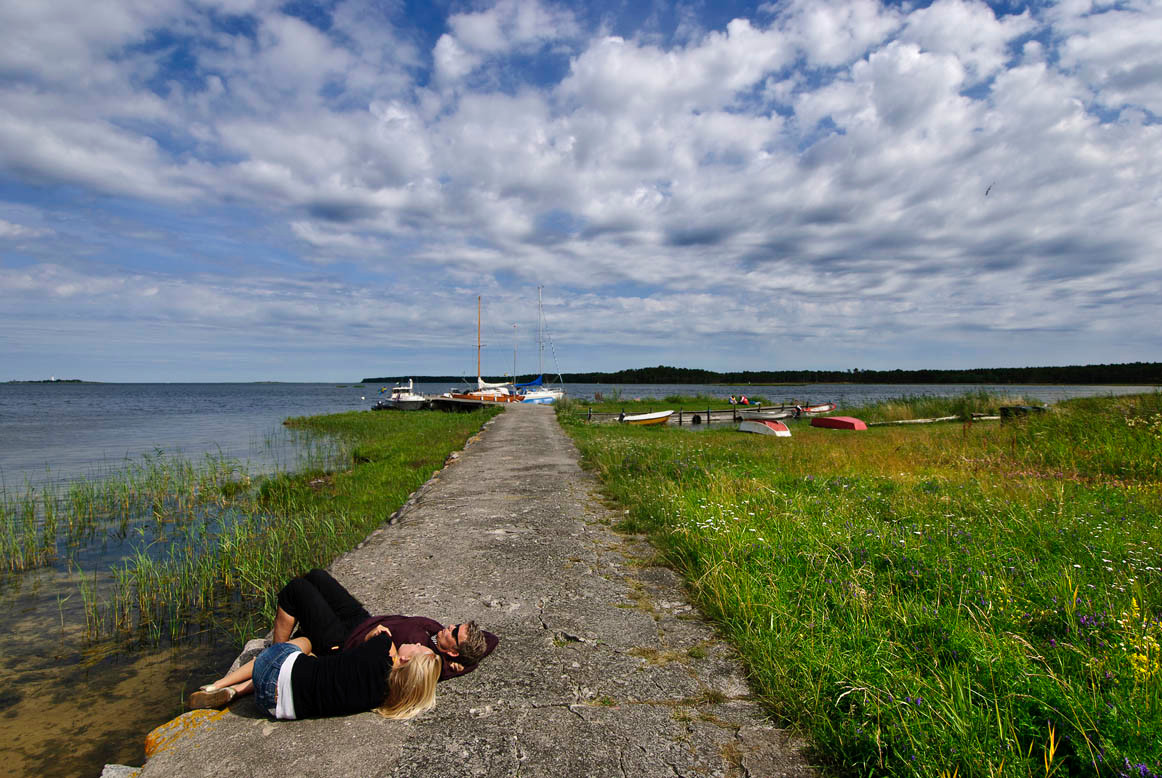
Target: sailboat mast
478,340
540,336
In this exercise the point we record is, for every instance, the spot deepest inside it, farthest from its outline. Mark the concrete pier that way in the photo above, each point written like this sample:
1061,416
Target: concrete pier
603,669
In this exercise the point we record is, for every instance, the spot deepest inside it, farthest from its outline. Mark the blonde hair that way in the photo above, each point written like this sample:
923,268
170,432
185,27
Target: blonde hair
411,687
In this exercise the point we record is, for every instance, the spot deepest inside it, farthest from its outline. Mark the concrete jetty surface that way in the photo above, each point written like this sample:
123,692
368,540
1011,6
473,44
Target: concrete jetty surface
603,669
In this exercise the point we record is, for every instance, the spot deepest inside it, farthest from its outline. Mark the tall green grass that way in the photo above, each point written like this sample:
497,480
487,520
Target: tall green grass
224,562
967,599
44,523
937,406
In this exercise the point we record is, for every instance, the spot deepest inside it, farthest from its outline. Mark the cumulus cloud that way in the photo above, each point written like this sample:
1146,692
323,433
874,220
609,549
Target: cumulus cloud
855,168
509,26
969,31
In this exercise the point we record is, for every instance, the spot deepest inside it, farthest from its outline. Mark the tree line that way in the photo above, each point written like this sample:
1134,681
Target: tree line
1127,373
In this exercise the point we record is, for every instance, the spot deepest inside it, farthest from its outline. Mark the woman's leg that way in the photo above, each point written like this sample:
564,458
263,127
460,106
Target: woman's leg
235,683
223,691
241,680
237,678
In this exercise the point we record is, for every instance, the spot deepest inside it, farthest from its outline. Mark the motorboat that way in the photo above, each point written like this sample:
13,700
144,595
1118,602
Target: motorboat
403,398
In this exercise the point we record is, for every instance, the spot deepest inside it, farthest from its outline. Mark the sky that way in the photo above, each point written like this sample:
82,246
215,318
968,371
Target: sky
240,190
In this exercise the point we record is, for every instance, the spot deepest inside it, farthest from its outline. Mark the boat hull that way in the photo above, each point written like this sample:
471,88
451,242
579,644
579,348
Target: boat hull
643,419
775,428
838,423
487,397
760,415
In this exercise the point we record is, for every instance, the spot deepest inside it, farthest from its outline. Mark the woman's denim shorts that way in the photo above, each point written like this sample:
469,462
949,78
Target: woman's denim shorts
265,674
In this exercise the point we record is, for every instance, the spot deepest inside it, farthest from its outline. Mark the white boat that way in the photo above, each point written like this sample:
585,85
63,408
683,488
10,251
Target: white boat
766,427
535,391
403,398
760,413
658,417
502,392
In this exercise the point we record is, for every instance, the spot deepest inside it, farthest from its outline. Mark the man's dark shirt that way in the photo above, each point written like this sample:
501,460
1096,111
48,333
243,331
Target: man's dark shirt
417,629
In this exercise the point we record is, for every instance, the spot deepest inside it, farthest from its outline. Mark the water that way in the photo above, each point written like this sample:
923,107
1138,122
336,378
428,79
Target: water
62,431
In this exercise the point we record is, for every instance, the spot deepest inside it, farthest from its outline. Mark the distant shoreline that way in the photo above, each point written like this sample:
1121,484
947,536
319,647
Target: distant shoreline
52,381
1126,374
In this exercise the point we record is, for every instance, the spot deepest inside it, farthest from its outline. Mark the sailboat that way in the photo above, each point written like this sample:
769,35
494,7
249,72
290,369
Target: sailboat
502,392
535,391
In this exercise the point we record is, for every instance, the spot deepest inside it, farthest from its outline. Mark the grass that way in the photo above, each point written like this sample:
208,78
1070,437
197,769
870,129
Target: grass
960,599
935,406
211,545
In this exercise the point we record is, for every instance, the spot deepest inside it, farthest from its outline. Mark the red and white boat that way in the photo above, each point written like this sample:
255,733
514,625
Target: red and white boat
765,427
802,410
502,392
838,423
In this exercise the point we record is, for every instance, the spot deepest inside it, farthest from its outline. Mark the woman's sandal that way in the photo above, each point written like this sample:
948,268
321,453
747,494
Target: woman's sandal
211,697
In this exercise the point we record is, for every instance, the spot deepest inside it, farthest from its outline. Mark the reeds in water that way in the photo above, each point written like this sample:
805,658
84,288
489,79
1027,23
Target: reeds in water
223,567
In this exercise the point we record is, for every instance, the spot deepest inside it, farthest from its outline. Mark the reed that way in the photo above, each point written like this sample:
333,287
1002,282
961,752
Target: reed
226,565
44,523
966,599
937,406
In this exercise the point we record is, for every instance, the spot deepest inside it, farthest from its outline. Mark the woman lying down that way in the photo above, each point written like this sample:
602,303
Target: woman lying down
289,682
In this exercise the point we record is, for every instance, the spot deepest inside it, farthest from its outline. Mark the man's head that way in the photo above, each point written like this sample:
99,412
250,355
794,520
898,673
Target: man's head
465,641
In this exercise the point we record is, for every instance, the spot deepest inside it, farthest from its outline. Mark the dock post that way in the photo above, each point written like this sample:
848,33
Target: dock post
589,415
679,418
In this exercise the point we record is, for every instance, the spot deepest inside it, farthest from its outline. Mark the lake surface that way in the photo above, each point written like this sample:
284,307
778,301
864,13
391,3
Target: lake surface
61,431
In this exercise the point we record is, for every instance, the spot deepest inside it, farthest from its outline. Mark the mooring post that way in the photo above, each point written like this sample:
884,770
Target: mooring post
679,418
589,415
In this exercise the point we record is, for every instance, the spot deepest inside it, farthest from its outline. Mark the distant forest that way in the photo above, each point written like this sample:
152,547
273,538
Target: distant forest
1130,373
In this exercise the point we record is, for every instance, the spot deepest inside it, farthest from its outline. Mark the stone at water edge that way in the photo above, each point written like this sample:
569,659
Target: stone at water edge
163,737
